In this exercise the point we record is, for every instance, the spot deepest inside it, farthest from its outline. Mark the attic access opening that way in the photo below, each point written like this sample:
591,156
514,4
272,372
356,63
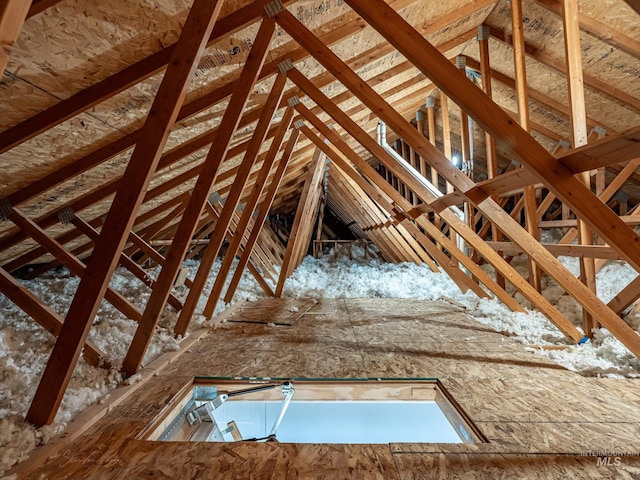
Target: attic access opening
313,411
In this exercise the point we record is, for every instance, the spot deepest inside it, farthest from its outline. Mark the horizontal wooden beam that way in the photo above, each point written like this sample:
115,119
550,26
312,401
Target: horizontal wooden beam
572,222
611,150
581,251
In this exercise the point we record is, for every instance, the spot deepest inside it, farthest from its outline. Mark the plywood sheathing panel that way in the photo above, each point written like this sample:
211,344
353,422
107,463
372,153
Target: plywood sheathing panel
416,13
504,390
283,312
543,31
125,112
113,31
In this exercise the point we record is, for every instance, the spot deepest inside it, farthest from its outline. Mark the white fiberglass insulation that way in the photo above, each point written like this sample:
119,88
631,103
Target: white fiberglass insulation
25,346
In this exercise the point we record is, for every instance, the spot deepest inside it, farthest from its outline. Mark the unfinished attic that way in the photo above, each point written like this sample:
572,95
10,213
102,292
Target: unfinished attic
320,239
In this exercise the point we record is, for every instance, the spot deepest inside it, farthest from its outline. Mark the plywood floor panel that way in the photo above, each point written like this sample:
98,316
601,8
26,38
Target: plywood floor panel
539,418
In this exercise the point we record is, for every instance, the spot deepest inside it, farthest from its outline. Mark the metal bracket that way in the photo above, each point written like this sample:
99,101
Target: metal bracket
205,411
431,102
285,65
599,130
419,116
461,62
564,144
66,215
298,124
5,209
293,101
484,32
273,8
215,198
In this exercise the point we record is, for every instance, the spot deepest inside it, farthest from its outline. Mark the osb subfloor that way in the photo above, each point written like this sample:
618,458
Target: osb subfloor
538,417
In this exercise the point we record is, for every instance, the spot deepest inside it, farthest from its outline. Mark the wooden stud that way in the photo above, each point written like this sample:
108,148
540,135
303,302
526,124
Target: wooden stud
446,133
490,144
420,127
580,133
522,96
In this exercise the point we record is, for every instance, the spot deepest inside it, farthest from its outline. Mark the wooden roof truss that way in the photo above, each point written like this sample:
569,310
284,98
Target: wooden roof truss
275,151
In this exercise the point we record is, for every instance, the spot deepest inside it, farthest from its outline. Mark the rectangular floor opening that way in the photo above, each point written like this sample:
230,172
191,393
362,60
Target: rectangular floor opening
313,411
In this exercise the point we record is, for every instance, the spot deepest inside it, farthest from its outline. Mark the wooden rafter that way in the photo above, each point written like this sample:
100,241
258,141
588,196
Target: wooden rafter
43,314
417,49
198,199
269,196
12,16
131,75
378,194
522,96
559,179
304,220
427,196
231,203
250,206
138,174
580,133
205,139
